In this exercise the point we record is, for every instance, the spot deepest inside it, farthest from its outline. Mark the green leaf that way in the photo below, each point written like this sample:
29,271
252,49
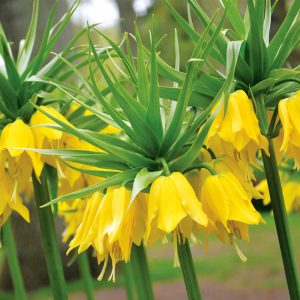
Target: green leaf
280,35
9,98
142,80
256,45
26,46
193,152
267,22
289,43
153,116
190,30
88,158
117,179
142,180
132,108
224,90
122,56
235,18
197,99
127,156
98,173
11,70
50,37
183,23
186,91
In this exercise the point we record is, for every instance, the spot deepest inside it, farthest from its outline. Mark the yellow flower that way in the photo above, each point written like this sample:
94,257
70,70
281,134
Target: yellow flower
289,114
173,206
228,164
72,212
228,206
10,199
19,135
41,132
110,226
238,125
291,194
110,130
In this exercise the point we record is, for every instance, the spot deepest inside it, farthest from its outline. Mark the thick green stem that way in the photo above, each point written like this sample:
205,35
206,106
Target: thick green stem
188,270
141,272
86,276
13,262
280,217
50,245
128,280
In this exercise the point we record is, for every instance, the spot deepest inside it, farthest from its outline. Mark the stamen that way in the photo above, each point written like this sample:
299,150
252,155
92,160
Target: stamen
15,191
113,271
59,170
242,257
176,263
100,277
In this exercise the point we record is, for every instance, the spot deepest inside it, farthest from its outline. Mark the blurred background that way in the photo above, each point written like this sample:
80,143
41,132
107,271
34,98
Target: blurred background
222,275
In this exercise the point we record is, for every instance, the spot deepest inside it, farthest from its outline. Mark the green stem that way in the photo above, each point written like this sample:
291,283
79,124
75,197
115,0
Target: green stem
13,262
280,217
50,245
188,270
141,273
202,166
86,276
128,280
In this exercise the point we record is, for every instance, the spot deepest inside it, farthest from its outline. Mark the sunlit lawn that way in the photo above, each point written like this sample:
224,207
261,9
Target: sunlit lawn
220,263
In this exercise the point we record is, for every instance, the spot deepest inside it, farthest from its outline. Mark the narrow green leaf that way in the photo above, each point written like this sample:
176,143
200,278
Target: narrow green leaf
290,18
142,180
192,153
130,157
153,116
9,97
132,109
267,22
235,18
26,46
121,55
117,179
142,80
11,70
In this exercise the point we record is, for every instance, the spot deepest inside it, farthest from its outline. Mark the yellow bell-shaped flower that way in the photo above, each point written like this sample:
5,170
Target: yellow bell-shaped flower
172,204
291,193
289,114
19,135
238,124
110,225
10,199
228,205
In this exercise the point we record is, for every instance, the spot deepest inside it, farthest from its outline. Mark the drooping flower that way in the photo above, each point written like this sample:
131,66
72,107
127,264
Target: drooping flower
289,114
110,225
291,193
14,137
229,208
227,164
238,124
173,207
11,199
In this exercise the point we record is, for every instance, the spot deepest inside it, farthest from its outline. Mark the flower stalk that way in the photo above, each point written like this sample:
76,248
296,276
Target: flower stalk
188,270
13,262
129,284
141,273
280,217
51,248
87,279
